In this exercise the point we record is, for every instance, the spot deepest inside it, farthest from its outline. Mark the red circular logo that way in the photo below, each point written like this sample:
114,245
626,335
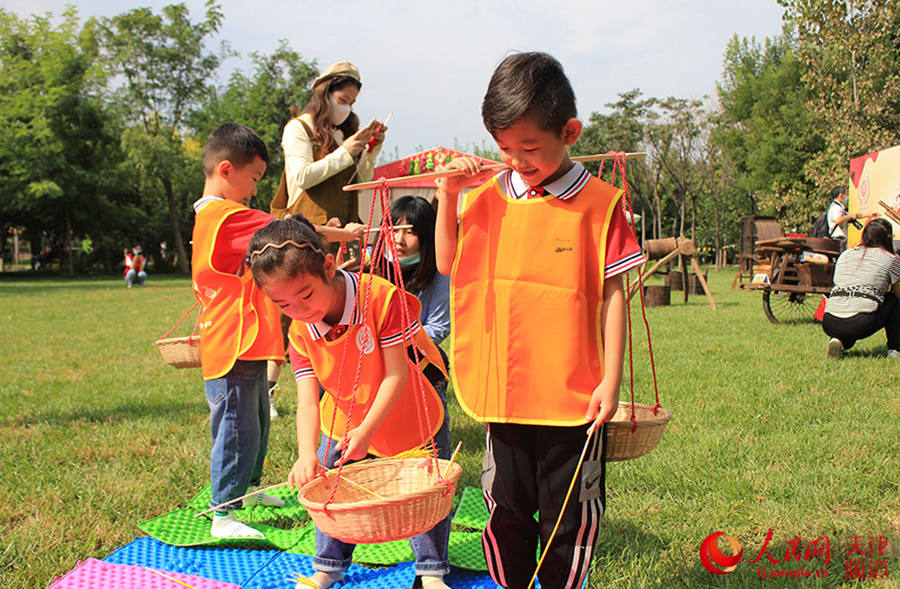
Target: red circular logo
714,560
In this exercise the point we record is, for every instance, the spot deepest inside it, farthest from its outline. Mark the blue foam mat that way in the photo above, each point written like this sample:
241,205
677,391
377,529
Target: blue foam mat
265,569
231,565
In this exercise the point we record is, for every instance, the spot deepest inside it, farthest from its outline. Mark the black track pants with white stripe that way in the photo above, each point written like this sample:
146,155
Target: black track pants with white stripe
528,469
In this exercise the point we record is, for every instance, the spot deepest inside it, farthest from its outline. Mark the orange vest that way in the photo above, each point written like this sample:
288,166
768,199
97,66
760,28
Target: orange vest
402,429
237,321
525,299
137,263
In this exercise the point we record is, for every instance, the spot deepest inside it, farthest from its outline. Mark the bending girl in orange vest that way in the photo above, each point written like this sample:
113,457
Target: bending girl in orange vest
342,322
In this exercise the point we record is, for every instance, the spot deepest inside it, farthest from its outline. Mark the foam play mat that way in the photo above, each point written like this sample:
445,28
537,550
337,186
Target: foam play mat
262,569
94,573
181,553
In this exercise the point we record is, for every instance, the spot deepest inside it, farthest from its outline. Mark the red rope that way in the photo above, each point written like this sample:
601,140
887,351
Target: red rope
619,164
384,240
183,317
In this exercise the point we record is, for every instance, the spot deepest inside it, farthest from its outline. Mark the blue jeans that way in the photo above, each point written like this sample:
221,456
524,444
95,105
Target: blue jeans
130,277
430,548
239,424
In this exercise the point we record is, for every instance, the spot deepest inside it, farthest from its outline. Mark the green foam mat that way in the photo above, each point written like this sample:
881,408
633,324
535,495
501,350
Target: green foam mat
181,528
471,512
307,544
291,510
385,553
465,551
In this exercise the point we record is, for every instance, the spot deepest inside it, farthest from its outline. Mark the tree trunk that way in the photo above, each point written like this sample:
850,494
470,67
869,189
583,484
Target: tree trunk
176,226
107,261
4,231
67,245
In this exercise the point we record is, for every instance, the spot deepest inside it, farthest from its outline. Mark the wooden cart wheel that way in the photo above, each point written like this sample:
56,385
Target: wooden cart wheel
788,307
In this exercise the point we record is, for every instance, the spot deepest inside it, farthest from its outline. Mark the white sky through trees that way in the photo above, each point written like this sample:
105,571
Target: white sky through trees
430,62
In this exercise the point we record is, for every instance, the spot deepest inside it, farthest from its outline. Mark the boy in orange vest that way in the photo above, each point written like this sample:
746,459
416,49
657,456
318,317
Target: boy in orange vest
240,328
538,313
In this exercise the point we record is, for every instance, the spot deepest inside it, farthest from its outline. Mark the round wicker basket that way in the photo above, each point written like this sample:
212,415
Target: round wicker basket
180,352
622,443
412,499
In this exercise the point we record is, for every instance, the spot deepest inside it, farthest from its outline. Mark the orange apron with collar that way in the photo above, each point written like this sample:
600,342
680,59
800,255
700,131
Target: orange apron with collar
525,300
405,427
237,321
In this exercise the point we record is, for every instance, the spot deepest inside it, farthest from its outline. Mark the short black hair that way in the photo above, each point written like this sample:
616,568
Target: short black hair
837,192
234,142
528,84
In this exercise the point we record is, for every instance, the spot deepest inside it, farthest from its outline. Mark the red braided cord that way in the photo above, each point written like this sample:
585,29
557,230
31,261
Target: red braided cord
183,317
619,163
385,239
407,321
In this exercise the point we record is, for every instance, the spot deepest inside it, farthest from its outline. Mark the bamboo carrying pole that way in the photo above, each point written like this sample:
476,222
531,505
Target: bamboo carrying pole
889,212
404,179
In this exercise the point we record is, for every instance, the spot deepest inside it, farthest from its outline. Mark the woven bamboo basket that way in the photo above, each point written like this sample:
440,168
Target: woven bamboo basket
622,443
180,352
412,499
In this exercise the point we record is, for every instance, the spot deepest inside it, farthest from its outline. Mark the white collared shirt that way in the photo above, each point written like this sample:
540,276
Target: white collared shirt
564,188
351,314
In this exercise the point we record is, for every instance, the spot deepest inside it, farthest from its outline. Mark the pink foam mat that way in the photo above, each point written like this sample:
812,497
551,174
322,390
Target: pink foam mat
94,573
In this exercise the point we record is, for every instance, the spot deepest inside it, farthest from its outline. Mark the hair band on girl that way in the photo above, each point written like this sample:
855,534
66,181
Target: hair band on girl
260,252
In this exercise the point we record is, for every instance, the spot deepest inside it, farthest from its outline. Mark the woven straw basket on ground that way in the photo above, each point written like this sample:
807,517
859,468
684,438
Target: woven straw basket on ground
412,499
180,352
622,443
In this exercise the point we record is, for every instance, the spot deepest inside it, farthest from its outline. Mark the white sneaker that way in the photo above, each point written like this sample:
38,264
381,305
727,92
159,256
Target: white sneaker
835,348
273,412
893,353
263,499
227,526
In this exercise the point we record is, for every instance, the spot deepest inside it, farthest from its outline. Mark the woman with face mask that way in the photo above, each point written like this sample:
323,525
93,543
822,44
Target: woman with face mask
324,148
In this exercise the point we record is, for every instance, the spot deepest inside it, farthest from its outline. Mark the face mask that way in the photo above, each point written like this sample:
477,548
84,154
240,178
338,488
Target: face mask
136,252
337,113
405,261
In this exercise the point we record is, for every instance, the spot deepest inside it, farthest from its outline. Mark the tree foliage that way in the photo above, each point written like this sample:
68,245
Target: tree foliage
850,53
166,67
57,136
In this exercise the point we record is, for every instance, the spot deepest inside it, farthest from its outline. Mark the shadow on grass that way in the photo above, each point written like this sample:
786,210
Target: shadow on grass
106,414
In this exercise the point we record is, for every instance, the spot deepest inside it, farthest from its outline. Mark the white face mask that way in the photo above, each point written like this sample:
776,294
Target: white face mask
337,113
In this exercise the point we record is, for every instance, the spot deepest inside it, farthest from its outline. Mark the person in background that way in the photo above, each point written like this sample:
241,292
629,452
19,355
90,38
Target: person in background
864,297
838,216
415,246
135,266
324,149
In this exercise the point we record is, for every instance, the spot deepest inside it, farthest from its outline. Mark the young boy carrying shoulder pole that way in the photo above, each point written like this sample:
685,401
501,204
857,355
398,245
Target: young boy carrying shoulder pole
536,257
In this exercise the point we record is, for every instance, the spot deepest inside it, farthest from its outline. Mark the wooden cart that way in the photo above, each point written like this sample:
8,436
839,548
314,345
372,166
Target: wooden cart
792,272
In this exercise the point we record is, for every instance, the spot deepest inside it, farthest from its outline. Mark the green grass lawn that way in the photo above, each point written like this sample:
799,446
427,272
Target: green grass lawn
98,434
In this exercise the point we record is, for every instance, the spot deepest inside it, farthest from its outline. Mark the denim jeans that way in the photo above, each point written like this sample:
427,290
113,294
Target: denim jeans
130,277
239,424
429,548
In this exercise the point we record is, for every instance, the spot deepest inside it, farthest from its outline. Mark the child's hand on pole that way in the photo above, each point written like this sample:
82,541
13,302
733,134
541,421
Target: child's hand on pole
469,168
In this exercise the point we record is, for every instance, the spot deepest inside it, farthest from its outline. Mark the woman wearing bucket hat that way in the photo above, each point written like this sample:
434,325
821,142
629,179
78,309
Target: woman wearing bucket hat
324,149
